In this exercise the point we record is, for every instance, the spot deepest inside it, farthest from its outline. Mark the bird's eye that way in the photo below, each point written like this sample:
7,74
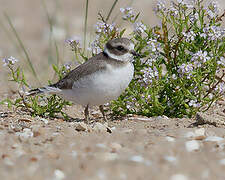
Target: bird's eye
120,48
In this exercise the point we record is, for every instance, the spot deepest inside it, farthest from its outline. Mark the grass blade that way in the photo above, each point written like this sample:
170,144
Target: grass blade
85,24
11,39
22,46
110,11
48,16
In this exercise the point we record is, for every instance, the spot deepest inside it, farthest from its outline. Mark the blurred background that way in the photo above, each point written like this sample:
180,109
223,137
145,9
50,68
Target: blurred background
31,21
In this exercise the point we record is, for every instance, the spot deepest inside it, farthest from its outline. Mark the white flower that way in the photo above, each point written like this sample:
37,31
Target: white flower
74,42
212,10
105,28
149,74
220,87
67,65
128,13
186,69
221,61
187,3
139,27
200,56
9,61
94,46
194,103
189,36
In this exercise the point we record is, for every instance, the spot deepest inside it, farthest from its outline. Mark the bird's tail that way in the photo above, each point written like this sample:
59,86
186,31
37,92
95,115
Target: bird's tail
46,89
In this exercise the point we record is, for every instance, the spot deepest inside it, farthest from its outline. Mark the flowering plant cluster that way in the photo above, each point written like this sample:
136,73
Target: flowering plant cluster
180,72
39,105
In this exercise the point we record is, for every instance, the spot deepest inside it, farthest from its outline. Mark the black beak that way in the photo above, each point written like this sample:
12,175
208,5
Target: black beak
134,53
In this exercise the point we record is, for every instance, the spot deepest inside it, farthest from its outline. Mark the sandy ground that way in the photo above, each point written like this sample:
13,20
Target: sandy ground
126,148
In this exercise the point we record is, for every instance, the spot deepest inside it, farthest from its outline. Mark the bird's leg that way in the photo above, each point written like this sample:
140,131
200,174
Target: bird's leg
86,114
103,112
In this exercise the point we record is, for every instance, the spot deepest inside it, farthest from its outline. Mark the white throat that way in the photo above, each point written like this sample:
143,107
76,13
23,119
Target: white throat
125,57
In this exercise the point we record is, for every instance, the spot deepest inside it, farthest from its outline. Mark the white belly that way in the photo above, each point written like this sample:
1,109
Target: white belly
100,87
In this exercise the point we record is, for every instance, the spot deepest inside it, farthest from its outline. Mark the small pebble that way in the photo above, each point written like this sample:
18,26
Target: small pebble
113,128
44,120
81,126
115,147
171,159
99,127
26,134
179,177
192,145
214,138
137,159
74,154
59,174
8,161
109,156
190,134
123,176
100,145
101,174
170,139
205,174
222,162
198,134
140,119
126,131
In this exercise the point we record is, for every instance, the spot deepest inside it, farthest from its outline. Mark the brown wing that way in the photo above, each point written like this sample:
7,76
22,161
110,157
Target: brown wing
94,64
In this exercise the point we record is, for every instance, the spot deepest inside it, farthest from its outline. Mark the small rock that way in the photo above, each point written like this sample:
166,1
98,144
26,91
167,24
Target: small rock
8,161
123,176
81,126
214,139
44,120
26,134
126,131
53,155
190,134
205,174
100,145
222,162
171,159
170,139
59,174
101,174
113,128
140,159
199,134
100,128
115,147
4,114
192,145
137,159
140,119
179,177
74,154
109,156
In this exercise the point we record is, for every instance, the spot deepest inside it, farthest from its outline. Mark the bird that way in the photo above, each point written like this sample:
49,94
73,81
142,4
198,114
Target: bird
99,80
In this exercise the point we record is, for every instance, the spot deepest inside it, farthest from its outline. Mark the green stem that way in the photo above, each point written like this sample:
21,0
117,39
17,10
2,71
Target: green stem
85,24
110,12
22,46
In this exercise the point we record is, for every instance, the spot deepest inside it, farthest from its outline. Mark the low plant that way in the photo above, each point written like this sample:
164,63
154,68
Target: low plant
181,68
180,72
45,106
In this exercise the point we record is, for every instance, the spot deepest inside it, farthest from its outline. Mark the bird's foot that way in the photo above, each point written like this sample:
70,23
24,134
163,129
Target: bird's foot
103,114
